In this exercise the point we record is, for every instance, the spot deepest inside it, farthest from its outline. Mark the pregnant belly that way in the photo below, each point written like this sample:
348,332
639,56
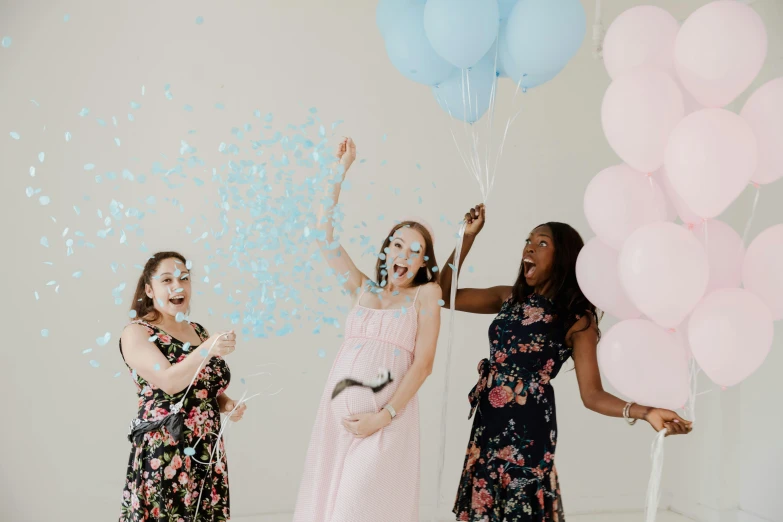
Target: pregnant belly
362,366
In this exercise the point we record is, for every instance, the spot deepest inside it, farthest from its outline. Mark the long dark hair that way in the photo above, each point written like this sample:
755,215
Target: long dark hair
142,303
564,289
427,273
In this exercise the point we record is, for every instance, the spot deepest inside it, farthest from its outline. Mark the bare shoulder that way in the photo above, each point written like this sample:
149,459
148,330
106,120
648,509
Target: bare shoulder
430,292
586,327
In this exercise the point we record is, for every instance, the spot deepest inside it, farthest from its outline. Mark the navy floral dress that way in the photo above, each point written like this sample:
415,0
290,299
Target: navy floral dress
509,473
164,478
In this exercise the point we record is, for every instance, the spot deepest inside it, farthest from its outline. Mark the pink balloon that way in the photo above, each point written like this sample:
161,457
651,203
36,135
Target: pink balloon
686,215
730,334
640,36
719,51
619,200
664,271
762,272
764,113
660,179
725,253
710,159
596,272
639,111
645,363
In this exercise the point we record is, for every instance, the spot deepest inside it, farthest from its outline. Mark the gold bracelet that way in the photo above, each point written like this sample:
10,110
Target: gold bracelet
627,414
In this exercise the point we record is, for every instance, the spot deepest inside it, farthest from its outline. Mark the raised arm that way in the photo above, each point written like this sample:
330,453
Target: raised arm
336,256
583,337
473,300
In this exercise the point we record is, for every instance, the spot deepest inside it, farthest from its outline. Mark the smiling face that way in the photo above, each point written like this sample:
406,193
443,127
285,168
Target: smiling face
169,287
538,257
404,256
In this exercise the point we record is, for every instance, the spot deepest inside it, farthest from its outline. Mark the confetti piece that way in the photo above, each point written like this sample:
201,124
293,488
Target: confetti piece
102,341
89,166
32,172
199,20
188,108
44,242
203,352
434,268
88,350
6,42
117,141
186,347
44,333
157,367
441,302
415,246
41,157
15,135
77,275
66,18
132,314
117,374
94,363
179,317
84,112
44,200
36,296
321,353
67,136
189,451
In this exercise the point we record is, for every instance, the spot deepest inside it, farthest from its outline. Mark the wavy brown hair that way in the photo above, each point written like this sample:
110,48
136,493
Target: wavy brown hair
142,303
426,274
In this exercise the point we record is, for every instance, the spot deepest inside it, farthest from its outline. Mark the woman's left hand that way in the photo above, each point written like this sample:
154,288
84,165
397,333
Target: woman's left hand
237,414
674,424
365,424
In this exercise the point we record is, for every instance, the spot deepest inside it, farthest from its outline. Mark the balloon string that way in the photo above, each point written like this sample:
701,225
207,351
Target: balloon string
654,485
692,392
447,374
752,214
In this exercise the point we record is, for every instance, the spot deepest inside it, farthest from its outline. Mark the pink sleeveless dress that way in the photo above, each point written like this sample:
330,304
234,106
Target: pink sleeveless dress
374,479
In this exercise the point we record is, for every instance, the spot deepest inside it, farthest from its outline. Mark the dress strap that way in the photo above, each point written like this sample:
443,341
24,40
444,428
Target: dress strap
417,294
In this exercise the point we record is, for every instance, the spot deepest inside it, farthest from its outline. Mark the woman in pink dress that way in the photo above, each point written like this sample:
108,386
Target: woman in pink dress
363,460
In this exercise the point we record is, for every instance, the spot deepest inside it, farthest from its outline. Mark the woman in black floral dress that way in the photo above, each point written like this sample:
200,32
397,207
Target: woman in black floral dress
509,473
177,470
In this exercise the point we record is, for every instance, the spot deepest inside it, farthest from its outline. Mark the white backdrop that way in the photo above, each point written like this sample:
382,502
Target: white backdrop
65,423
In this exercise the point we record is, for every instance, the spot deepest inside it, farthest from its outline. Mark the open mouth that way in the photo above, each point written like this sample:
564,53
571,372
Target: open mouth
177,300
529,267
400,270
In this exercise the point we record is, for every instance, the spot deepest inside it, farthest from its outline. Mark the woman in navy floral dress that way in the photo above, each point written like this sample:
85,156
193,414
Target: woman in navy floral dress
177,470
509,474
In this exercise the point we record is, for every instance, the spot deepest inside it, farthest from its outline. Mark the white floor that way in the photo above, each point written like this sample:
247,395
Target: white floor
615,517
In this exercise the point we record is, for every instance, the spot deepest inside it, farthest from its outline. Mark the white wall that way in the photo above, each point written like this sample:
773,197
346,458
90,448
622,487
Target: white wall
66,447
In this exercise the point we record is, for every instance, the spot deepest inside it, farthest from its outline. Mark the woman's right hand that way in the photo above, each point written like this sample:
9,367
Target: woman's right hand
475,219
346,154
221,344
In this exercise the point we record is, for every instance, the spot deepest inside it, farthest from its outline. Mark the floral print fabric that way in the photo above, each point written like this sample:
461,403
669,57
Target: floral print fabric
166,480
509,473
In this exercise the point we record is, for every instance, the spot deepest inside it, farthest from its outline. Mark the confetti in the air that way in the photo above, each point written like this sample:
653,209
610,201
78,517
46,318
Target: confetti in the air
44,333
15,135
199,20
6,42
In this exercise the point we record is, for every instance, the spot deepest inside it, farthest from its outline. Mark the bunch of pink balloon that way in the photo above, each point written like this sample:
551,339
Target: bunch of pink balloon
688,290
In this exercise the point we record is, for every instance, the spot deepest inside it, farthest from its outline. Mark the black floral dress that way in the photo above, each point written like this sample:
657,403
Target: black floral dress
509,473
165,479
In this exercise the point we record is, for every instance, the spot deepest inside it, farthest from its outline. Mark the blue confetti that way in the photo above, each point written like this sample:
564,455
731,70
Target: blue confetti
189,451
44,333
36,296
15,135
45,242
117,374
415,246
85,352
89,166
321,353
84,112
199,20
117,141
32,171
179,317
94,363
220,106
66,18
6,42
102,341
441,302
67,136
204,352
434,268
157,367
132,314
41,157
186,347
77,275
188,108
44,200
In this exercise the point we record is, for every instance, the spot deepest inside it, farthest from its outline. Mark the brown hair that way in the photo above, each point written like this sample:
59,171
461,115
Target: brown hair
426,274
142,303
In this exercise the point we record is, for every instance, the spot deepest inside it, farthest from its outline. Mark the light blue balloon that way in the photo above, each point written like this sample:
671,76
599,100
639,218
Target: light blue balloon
462,31
411,52
388,11
543,35
467,94
508,68
505,7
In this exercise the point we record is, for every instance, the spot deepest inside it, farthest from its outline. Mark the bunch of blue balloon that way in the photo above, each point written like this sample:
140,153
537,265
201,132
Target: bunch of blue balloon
460,47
